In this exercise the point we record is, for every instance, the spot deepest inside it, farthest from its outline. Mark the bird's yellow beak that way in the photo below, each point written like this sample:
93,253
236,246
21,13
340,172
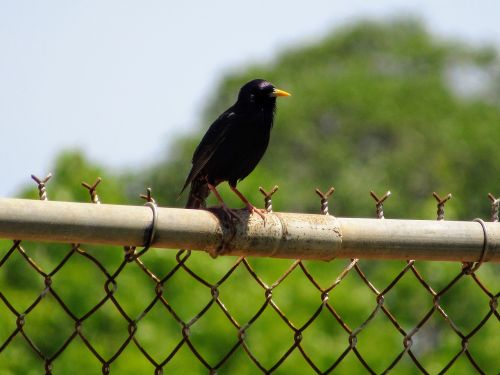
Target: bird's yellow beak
278,92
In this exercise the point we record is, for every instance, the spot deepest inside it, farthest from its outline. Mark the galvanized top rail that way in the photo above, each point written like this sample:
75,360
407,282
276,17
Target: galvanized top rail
282,235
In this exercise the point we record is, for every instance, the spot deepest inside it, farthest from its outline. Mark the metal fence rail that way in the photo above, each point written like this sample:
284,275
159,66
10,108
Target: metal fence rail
420,321
280,235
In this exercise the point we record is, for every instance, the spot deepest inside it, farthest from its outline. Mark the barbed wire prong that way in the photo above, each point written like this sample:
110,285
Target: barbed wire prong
148,196
440,204
379,203
324,199
268,204
93,190
495,207
42,191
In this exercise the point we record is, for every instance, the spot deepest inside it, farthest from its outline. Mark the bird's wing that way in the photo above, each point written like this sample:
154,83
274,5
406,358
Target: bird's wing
215,135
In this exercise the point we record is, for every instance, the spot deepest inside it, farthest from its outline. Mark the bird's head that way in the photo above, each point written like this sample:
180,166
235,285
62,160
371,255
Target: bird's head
260,91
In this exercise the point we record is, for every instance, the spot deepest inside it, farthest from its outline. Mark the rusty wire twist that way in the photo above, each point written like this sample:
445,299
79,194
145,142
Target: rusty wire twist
379,203
148,196
324,199
440,204
93,190
268,204
495,207
41,184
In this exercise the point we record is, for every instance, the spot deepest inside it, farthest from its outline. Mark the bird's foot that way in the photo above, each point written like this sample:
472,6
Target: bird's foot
259,211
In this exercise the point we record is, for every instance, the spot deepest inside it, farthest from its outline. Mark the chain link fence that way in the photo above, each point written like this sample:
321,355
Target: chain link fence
92,309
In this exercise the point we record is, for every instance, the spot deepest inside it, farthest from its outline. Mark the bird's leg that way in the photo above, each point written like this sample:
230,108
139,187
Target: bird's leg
226,209
250,207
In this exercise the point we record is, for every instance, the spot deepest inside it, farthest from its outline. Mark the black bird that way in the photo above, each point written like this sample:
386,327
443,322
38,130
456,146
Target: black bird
233,145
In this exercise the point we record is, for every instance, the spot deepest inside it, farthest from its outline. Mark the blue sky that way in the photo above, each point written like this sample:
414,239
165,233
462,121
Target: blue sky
121,79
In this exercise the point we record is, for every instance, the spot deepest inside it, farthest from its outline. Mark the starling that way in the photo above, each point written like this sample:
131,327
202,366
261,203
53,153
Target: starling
233,145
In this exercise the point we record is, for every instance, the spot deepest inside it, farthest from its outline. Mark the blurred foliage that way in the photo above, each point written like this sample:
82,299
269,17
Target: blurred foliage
375,106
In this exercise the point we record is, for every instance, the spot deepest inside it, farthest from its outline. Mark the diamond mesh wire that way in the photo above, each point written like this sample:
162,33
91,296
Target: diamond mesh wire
82,309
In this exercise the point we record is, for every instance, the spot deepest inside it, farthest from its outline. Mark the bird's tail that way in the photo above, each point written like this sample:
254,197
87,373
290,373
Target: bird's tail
198,194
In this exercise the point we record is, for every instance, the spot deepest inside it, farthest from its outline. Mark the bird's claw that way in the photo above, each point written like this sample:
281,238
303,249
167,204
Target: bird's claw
259,211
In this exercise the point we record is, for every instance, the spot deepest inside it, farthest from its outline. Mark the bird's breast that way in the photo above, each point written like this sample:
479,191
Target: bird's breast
241,150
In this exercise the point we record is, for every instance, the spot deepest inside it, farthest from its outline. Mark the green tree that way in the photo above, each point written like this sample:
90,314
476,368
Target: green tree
374,107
